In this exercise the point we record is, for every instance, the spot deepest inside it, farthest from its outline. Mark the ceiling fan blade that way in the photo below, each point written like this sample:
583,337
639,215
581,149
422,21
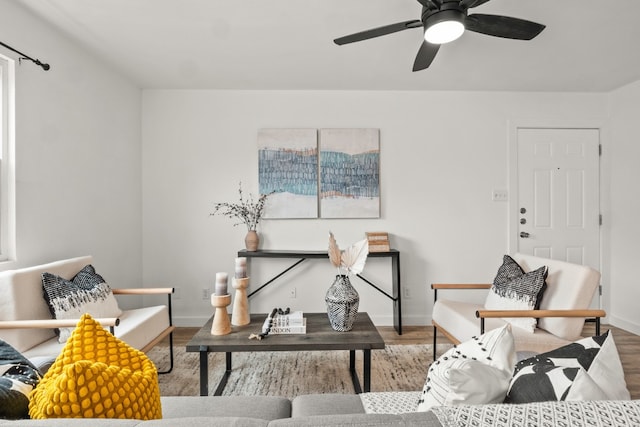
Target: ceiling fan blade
425,56
468,4
503,26
430,4
377,32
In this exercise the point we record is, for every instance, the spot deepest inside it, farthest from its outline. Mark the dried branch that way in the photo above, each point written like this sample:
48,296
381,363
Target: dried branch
247,211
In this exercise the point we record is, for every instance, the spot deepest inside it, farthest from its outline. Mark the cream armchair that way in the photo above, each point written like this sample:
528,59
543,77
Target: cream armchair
27,324
561,316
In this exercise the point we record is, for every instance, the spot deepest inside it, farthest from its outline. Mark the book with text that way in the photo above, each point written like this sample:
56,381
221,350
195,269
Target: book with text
291,323
295,318
292,329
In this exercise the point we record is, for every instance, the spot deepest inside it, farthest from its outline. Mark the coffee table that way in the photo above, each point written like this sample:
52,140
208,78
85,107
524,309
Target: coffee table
319,337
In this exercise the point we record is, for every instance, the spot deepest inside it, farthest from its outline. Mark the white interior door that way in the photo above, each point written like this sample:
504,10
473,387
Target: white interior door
559,194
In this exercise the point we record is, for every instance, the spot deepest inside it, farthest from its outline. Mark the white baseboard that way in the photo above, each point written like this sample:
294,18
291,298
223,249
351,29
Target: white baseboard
624,324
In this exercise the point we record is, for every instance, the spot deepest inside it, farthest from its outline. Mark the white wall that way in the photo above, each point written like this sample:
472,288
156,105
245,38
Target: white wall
81,188
625,207
78,156
441,155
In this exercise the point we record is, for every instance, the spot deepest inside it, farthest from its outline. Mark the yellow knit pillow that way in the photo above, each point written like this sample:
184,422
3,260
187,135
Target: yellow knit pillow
97,376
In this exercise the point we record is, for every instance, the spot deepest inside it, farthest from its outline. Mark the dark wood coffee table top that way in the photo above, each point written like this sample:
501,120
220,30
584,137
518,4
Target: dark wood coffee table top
319,336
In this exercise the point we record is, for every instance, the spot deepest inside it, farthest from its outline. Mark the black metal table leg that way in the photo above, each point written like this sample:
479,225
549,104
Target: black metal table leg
204,372
366,367
225,377
397,292
354,373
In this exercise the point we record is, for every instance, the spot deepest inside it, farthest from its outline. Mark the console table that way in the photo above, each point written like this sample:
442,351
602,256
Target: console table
302,256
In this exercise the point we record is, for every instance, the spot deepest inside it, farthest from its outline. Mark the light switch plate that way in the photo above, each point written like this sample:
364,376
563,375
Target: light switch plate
499,195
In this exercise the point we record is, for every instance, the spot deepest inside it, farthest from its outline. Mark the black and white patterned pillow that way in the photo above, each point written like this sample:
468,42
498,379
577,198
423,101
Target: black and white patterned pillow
17,378
543,383
508,271
87,292
588,369
513,289
579,354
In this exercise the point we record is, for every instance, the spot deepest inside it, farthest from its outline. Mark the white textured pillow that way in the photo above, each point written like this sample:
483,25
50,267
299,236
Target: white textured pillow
87,292
466,381
477,371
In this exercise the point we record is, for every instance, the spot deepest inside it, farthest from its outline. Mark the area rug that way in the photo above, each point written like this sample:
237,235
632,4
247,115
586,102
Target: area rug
289,374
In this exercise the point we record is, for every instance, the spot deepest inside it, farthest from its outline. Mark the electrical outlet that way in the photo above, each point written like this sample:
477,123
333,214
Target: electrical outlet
292,293
406,293
205,293
500,195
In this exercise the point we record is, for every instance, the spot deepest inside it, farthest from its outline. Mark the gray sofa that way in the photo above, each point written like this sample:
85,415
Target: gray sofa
347,409
250,411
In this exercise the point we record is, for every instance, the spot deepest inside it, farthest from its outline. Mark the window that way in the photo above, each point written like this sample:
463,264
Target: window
7,159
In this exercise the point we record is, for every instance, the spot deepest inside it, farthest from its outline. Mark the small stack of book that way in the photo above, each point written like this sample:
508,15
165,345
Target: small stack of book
292,323
378,241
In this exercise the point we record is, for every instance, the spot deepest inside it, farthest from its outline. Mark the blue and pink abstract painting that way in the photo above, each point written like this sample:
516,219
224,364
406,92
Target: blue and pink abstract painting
288,168
349,173
331,173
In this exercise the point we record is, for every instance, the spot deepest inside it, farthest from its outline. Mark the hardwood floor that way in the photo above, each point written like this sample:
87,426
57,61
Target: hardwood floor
628,345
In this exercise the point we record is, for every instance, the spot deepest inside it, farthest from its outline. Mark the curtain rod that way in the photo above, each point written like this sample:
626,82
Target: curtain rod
35,61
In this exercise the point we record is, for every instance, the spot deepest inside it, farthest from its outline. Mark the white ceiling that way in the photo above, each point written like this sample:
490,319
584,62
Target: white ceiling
588,45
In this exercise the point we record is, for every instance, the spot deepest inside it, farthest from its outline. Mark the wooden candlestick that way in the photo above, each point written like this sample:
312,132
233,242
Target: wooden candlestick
240,315
221,324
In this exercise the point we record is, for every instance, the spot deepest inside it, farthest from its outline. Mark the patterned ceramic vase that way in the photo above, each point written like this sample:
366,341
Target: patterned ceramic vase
342,304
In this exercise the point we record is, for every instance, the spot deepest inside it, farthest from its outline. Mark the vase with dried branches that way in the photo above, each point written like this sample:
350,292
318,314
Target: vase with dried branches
342,298
248,212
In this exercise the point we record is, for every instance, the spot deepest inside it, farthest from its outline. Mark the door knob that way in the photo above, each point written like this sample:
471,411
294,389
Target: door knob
524,234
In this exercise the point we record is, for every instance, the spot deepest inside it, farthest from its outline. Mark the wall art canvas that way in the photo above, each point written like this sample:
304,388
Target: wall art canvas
288,167
349,173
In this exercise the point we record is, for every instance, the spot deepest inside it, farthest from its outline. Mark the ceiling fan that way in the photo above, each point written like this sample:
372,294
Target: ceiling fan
444,21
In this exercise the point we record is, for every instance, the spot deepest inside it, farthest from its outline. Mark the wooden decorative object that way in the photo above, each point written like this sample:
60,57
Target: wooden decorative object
240,315
378,241
221,324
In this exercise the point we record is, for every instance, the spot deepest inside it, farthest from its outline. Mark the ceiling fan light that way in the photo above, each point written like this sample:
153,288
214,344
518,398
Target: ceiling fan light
444,27
444,32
